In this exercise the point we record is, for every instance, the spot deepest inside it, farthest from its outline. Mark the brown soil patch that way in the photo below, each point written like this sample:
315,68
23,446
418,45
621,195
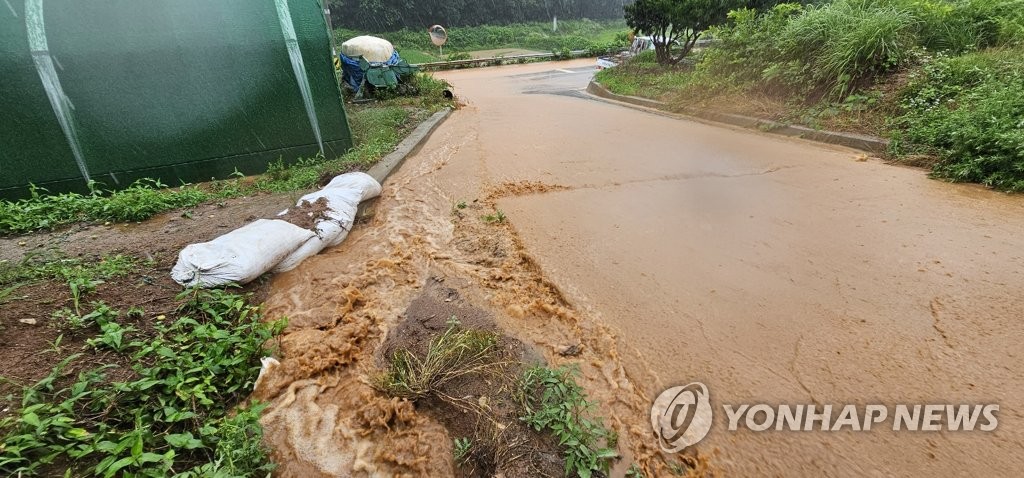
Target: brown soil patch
306,214
482,407
32,350
521,188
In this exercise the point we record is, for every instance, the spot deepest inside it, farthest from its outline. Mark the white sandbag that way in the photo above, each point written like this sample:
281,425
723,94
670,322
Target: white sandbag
362,182
328,234
342,195
371,48
240,255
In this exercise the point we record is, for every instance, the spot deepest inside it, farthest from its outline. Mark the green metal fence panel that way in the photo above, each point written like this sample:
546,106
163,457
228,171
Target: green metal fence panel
178,90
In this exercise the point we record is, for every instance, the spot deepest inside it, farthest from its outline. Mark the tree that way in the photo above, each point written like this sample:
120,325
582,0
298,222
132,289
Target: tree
672,21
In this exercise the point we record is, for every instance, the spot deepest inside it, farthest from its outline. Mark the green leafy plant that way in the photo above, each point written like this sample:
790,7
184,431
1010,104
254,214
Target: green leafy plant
967,110
41,266
139,201
455,353
175,413
497,218
553,401
462,447
635,471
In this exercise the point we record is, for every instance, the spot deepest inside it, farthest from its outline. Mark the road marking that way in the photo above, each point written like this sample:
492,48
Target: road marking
565,71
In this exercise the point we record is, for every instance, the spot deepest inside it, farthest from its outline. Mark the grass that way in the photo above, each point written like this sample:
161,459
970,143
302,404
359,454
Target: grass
548,400
940,78
376,129
554,402
643,76
497,217
415,45
40,266
461,448
176,414
455,353
969,112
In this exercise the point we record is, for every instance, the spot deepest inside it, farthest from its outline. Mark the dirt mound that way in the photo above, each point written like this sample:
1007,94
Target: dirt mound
306,214
480,408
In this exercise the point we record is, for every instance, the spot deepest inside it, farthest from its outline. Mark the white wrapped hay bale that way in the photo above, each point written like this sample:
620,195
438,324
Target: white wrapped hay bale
371,48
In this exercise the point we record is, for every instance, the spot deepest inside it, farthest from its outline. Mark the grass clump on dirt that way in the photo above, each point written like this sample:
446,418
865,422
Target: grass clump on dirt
80,276
377,129
173,413
940,78
503,416
455,353
139,201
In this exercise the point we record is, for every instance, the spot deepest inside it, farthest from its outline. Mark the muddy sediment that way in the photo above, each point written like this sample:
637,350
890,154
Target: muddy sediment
343,304
484,406
656,252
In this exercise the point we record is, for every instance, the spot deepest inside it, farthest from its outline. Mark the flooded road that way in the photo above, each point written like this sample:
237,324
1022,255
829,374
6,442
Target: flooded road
773,270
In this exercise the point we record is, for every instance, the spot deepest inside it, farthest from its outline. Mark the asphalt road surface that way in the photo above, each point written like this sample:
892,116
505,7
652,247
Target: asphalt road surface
772,270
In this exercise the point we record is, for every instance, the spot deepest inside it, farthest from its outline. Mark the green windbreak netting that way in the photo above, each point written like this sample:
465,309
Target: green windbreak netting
180,90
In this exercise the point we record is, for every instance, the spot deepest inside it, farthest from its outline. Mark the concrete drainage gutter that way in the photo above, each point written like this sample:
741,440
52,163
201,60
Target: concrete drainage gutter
870,144
412,143
390,163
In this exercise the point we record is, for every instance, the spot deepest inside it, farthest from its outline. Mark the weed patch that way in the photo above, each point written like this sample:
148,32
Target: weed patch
555,403
455,353
968,111
173,416
594,36
504,415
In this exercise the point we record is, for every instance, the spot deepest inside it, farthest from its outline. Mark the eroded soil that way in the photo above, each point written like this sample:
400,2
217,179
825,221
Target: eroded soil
343,304
664,252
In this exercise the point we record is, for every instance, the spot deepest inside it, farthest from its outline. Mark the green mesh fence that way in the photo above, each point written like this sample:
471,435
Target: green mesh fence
179,90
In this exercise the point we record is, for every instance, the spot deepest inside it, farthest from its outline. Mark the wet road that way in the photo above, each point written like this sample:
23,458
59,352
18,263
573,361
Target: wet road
773,270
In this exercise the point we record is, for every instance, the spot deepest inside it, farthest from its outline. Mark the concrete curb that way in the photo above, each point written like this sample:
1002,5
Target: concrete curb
412,143
390,163
499,60
866,143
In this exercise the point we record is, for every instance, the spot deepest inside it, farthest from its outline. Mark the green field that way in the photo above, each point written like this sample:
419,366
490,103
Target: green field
415,45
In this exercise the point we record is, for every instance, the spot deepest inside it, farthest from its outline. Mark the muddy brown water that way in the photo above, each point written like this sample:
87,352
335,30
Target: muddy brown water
773,270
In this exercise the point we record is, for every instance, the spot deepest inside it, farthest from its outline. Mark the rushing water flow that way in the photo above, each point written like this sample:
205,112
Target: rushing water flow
62,106
284,16
772,270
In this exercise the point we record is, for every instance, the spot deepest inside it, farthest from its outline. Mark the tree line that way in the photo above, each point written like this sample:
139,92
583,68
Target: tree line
390,15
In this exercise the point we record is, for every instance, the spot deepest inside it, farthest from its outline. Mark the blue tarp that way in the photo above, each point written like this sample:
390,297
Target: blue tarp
353,72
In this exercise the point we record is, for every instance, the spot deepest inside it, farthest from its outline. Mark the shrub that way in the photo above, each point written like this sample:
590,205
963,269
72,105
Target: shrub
843,43
968,110
749,46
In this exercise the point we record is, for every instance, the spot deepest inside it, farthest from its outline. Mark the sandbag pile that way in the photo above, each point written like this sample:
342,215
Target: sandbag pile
275,245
